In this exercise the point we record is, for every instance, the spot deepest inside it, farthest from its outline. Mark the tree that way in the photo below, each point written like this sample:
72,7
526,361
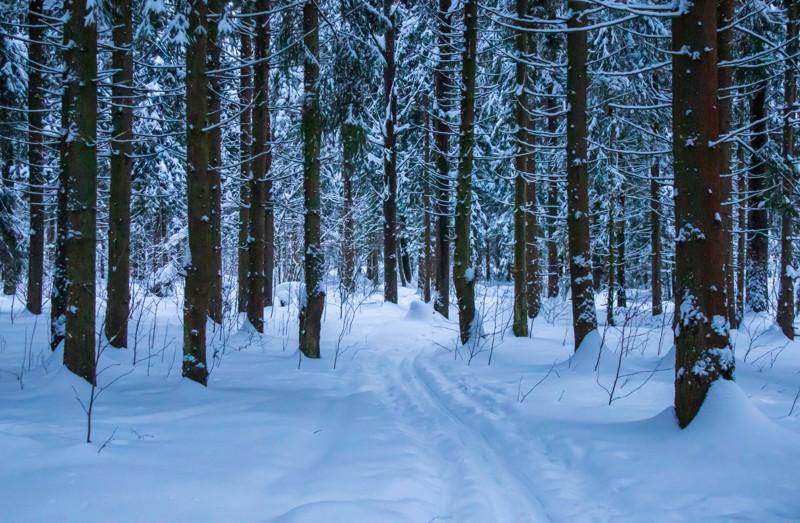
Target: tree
583,310
36,151
311,130
464,276
80,39
655,241
521,153
390,247
246,174
702,346
119,208
199,268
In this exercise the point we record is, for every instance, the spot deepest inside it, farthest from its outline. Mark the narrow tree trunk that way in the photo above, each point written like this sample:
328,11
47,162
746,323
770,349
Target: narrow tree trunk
741,240
583,309
349,132
786,310
612,259
215,157
81,189
622,299
58,301
259,165
246,174
311,130
533,285
703,352
119,207
441,183
36,59
199,269
10,266
552,207
425,265
655,240
758,219
389,159
463,271
725,15
405,258
521,146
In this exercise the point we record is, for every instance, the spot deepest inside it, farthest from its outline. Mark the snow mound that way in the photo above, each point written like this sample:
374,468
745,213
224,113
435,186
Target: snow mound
590,357
727,411
418,310
288,293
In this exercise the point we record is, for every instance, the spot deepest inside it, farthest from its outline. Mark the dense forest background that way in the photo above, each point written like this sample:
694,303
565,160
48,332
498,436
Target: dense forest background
218,150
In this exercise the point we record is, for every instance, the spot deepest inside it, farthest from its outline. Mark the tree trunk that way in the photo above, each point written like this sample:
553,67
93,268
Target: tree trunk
425,264
389,160
350,145
246,174
758,219
405,258
583,309
741,240
612,259
81,189
119,207
463,271
622,299
655,240
259,164
552,207
199,182
533,286
703,352
311,130
214,50
521,152
441,130
58,301
786,310
725,15
36,181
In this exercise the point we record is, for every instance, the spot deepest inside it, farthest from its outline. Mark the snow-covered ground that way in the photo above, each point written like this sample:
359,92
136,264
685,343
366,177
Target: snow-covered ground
408,426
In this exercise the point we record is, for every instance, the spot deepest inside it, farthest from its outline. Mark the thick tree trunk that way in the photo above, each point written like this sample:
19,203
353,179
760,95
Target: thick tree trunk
215,157
81,189
786,310
441,182
311,130
725,15
521,152
580,263
119,207
58,301
389,159
655,240
463,272
36,106
703,352
758,219
246,174
199,182
258,189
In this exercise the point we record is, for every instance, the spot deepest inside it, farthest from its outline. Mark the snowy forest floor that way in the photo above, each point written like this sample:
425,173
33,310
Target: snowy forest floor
409,426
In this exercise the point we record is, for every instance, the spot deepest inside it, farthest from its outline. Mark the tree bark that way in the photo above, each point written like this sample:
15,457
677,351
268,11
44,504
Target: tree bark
703,352
58,301
552,207
350,145
622,299
214,50
786,312
741,240
259,164
533,285
81,189
199,185
246,174
311,130
389,159
463,272
441,182
521,152
583,308
758,218
119,207
655,240
36,181
725,15
425,262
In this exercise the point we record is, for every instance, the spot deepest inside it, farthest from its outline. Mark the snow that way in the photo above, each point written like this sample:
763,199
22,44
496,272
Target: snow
411,426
